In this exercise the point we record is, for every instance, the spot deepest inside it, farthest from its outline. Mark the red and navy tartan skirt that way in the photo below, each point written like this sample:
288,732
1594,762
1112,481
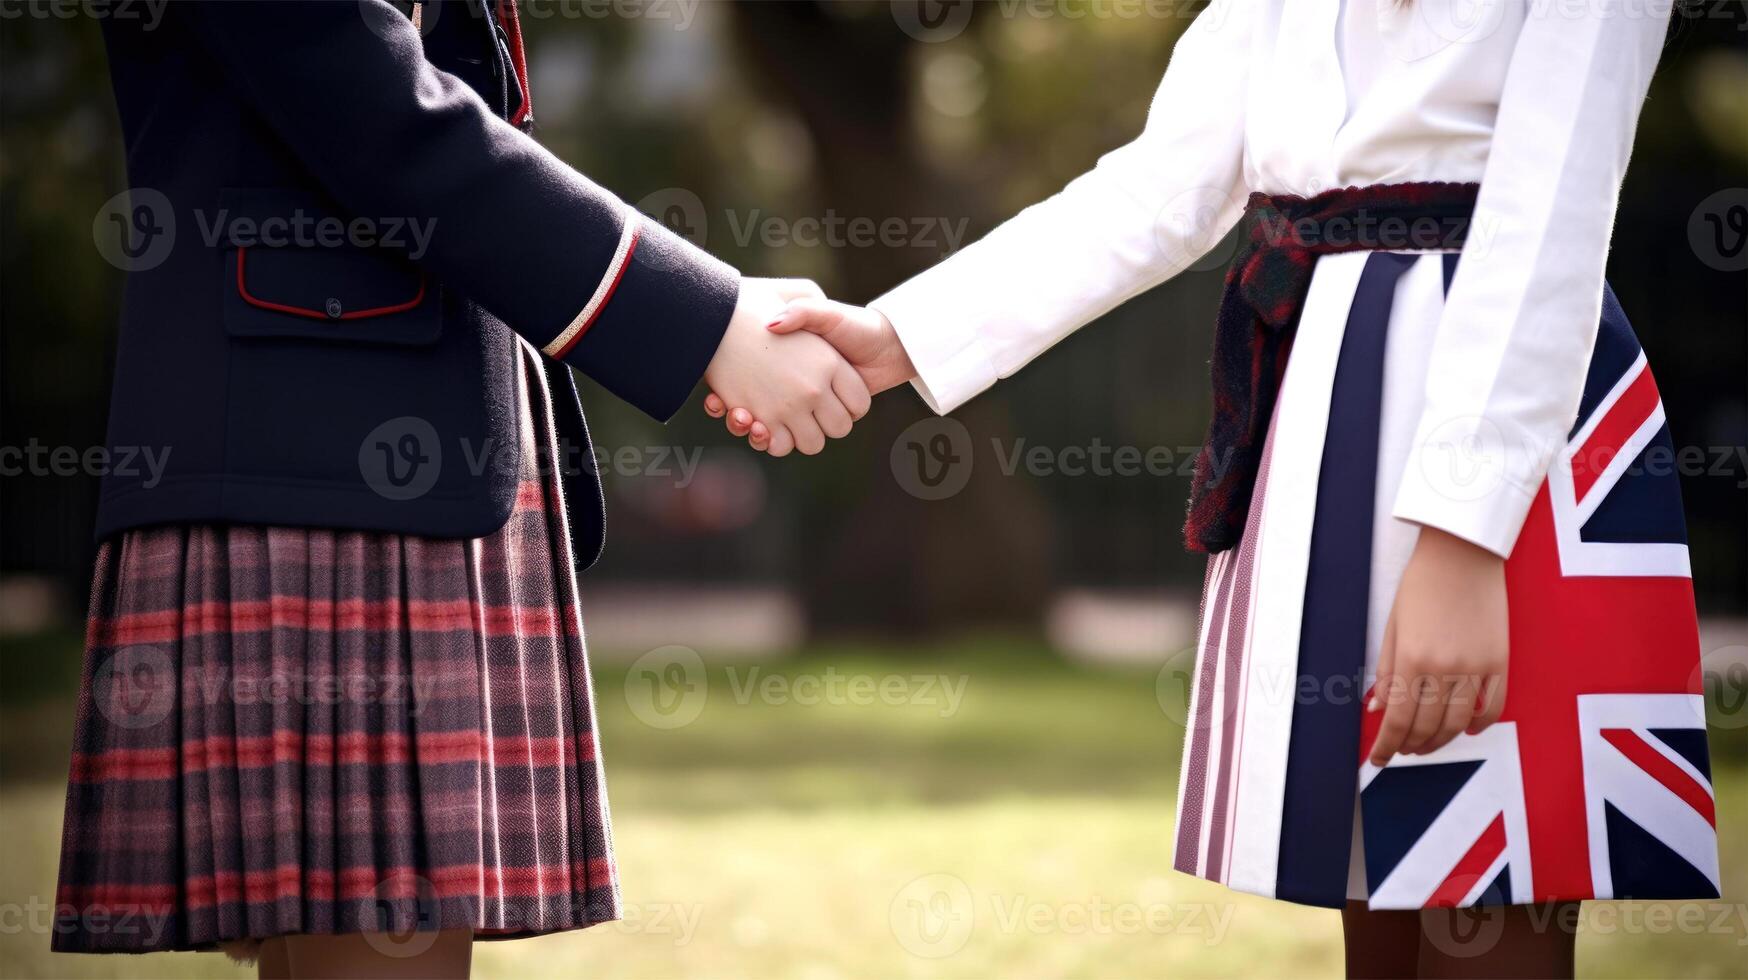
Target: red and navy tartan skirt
292,730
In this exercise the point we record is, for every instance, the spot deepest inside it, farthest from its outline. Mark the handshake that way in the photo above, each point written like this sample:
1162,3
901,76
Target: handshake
795,368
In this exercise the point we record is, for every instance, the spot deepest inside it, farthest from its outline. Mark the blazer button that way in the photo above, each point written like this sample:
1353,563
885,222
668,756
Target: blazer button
334,309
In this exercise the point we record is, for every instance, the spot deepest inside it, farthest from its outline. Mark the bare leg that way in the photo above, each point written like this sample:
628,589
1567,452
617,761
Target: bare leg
1380,945
271,963
445,955
1499,942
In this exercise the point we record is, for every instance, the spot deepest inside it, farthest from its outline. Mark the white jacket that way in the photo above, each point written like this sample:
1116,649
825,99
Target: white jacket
1536,101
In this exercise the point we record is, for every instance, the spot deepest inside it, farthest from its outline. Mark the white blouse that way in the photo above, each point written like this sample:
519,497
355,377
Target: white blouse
1536,101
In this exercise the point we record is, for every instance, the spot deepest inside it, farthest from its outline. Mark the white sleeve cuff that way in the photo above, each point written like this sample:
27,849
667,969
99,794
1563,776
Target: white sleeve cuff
1463,478
951,363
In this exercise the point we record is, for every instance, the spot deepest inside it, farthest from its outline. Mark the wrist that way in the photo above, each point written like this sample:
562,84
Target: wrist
903,371
1445,546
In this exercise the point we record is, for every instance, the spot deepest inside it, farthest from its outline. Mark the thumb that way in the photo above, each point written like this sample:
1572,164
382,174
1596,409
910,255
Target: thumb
818,316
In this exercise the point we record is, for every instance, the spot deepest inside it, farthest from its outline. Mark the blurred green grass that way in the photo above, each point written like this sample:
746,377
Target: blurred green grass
788,833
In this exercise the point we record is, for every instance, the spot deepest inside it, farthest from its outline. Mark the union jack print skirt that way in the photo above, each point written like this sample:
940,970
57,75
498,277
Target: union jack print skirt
286,730
1594,784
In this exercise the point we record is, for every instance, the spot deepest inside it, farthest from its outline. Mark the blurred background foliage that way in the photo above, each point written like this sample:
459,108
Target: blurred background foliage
736,118
789,827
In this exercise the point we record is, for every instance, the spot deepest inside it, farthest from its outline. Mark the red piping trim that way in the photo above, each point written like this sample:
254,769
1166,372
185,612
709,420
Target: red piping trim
606,297
518,61
304,311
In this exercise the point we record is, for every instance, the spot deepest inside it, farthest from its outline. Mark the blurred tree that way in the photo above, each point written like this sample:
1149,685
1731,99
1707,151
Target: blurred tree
60,158
789,109
900,564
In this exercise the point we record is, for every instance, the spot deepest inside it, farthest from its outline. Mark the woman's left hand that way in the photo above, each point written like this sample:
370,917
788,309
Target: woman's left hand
1442,668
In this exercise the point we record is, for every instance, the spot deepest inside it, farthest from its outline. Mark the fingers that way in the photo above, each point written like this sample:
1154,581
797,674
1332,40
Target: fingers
1456,716
1446,648
1398,718
837,409
1491,706
1431,695
1386,666
1426,711
833,418
782,442
1398,714
847,384
807,392
809,437
820,316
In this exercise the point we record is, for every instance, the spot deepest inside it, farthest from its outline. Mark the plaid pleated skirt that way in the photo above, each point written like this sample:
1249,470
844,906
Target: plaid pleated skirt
292,730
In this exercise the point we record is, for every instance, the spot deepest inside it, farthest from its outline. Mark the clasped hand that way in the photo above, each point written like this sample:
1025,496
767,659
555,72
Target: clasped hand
800,390
808,391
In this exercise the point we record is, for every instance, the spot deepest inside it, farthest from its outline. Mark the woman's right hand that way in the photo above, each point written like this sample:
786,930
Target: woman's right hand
864,337
1442,668
798,386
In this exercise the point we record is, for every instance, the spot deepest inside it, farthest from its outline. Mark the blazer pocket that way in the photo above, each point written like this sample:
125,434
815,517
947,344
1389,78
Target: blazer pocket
295,268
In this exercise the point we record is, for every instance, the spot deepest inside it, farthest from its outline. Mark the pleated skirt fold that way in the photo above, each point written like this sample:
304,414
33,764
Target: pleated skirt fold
292,730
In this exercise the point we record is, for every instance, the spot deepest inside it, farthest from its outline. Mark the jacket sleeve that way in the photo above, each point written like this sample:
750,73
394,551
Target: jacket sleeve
564,263
1146,212
1515,338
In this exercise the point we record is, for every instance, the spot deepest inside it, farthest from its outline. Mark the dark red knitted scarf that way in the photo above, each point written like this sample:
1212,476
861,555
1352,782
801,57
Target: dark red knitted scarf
1265,289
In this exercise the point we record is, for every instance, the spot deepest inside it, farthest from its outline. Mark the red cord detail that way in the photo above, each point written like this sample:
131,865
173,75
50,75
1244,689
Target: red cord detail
519,60
304,311
606,297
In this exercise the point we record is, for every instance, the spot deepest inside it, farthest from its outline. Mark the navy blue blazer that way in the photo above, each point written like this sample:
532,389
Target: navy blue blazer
333,237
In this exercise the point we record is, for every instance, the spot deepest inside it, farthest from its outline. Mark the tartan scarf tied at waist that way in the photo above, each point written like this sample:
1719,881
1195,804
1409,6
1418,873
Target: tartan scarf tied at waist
1265,290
